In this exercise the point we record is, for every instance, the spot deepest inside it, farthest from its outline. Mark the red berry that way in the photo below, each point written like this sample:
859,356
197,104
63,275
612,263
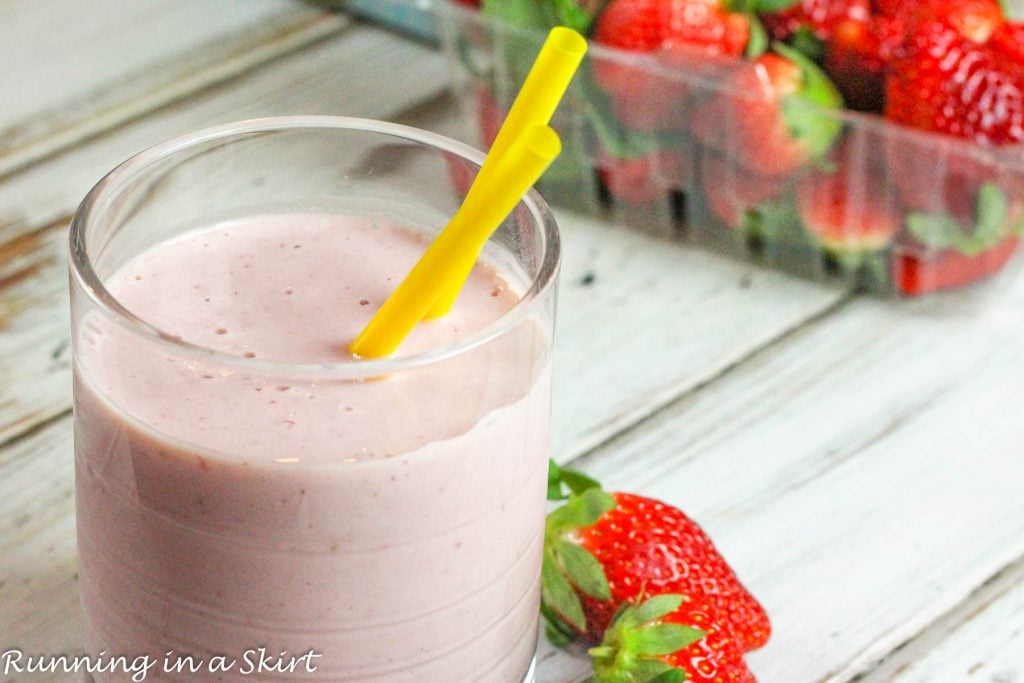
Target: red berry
649,548
820,16
917,272
846,208
975,20
947,84
1008,41
731,191
638,180
771,117
686,31
715,657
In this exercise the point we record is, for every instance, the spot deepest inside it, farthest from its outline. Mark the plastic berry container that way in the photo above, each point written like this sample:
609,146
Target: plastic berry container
669,147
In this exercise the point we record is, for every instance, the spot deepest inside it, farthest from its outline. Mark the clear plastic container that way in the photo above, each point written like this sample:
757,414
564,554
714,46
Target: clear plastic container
656,143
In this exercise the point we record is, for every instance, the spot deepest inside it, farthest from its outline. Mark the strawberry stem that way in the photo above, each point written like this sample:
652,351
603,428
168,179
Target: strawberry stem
637,641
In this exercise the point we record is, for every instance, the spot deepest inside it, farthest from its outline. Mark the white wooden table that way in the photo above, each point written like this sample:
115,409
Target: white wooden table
859,462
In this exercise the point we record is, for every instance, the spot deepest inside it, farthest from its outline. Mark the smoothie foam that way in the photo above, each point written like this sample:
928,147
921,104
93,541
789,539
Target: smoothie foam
392,524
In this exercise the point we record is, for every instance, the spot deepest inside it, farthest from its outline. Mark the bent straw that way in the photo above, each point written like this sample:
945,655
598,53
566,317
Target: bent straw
454,251
535,104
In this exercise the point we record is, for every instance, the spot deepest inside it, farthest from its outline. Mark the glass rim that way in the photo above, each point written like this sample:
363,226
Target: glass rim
98,199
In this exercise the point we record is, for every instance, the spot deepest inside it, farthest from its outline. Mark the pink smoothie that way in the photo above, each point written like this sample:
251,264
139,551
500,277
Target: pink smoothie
393,525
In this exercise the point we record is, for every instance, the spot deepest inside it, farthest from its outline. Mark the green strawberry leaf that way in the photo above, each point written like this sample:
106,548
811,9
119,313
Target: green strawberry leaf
877,269
807,113
757,45
647,670
557,594
607,668
583,570
993,212
776,221
664,639
526,13
581,510
670,676
568,13
759,6
807,42
555,492
578,482
556,630
613,136
655,608
941,231
772,6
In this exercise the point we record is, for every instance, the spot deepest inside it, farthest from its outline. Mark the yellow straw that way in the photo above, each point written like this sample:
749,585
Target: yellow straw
543,89
454,251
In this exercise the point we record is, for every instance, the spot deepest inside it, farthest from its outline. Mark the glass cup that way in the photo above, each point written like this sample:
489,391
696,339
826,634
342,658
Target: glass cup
396,556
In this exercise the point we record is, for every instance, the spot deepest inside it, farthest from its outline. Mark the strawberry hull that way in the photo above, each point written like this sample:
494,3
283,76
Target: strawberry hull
719,152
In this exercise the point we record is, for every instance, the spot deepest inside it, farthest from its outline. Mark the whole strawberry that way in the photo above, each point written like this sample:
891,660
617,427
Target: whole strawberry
668,639
683,33
975,20
603,551
774,116
818,16
845,207
946,83
642,178
946,250
733,192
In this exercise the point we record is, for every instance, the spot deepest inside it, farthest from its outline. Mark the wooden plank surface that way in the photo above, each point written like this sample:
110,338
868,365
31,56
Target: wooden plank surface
38,564
72,68
981,641
863,477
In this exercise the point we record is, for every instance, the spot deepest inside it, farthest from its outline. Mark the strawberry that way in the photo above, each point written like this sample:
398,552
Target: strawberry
946,83
681,32
1008,41
667,639
821,17
644,178
605,550
846,209
771,119
732,192
916,274
975,20
857,58
651,25
944,251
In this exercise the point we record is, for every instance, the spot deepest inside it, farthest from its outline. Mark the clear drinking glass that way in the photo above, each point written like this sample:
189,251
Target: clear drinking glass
419,566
